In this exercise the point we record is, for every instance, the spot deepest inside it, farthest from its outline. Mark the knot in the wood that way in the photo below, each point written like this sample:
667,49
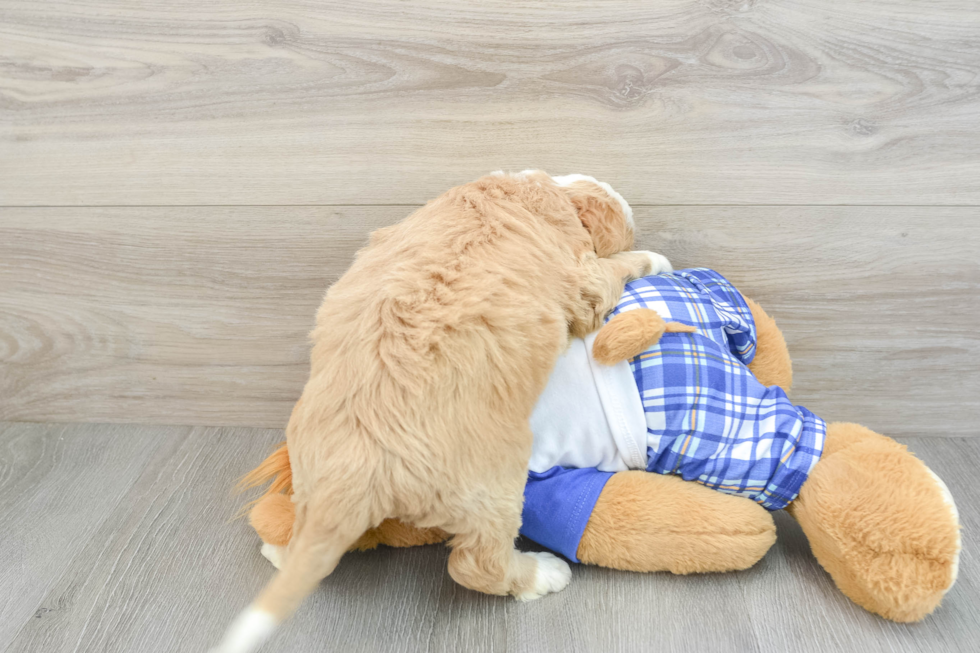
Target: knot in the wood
863,127
729,6
631,82
275,36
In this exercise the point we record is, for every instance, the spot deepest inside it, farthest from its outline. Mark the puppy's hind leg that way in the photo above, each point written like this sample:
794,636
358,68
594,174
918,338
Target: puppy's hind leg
490,564
484,557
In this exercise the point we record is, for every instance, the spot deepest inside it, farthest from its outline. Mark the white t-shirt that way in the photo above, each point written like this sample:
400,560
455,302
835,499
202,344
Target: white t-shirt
589,415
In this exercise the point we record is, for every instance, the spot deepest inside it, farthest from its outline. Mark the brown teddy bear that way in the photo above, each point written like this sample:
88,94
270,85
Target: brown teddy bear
726,447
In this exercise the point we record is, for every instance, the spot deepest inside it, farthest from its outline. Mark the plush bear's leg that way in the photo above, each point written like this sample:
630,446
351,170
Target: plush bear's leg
651,522
772,364
272,518
393,532
881,523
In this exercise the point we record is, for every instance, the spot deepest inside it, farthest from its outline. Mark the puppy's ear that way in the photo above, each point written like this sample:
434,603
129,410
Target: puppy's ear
631,333
603,215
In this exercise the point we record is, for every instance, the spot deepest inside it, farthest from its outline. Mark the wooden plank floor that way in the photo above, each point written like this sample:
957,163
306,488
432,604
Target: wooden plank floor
124,544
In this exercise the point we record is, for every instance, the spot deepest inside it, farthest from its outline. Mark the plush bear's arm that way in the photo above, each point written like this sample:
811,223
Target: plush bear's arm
772,364
650,522
630,333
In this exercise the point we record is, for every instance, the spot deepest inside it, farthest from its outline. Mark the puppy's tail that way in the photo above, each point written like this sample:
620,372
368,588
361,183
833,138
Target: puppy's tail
272,514
274,468
324,530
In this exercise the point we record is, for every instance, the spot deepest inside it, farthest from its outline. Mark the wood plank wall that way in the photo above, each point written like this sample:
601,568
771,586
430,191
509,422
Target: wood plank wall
179,183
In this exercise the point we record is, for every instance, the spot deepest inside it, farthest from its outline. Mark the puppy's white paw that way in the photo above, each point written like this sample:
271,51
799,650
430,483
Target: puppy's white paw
552,575
274,554
658,262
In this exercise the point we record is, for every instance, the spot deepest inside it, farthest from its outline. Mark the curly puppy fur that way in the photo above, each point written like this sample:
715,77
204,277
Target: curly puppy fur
428,356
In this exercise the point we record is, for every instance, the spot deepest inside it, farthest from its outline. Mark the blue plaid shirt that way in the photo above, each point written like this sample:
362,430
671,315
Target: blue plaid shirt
708,418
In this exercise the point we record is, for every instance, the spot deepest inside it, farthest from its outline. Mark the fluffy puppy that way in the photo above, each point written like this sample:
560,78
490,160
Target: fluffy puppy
428,356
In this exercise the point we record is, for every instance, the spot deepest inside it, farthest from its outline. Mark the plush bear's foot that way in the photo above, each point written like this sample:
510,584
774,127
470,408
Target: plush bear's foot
881,523
649,522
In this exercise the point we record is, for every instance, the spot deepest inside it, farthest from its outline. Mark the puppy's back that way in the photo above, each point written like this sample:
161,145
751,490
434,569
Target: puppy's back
471,286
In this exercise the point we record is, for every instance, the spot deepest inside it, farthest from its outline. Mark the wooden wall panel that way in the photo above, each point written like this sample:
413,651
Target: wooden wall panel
130,102
191,315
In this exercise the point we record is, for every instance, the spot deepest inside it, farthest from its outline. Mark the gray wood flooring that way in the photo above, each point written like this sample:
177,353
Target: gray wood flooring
117,539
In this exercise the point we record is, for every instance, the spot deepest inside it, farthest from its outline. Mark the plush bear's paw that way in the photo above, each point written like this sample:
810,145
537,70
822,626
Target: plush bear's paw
274,554
881,523
552,575
658,262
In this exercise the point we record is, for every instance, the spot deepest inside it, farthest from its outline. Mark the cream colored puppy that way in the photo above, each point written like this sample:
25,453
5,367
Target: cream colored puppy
428,357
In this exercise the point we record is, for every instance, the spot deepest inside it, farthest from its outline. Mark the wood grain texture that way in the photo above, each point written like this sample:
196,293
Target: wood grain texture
200,315
109,102
58,485
878,305
166,315
166,571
